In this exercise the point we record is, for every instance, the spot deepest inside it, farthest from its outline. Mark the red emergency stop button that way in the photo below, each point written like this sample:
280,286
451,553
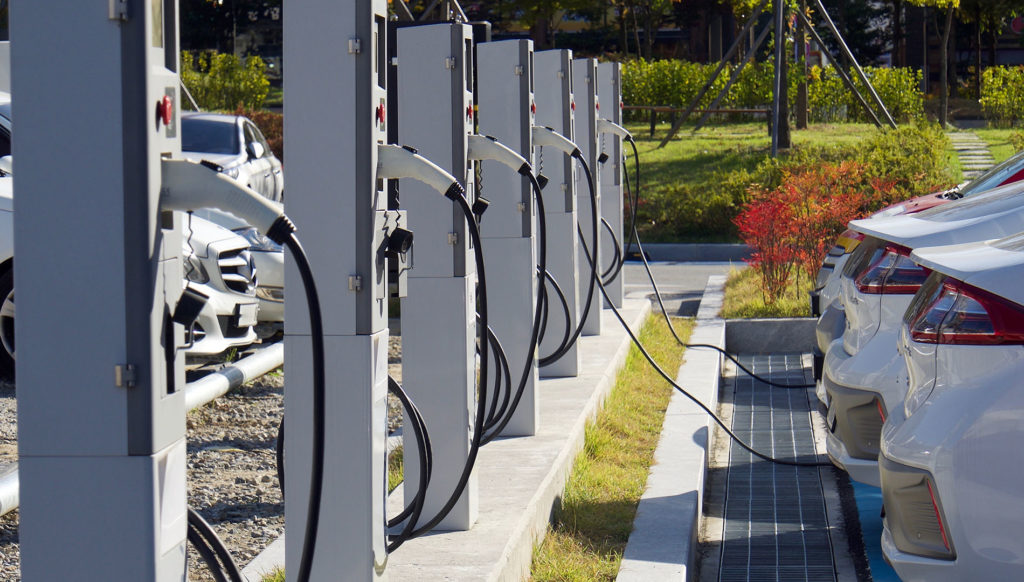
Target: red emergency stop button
533,108
381,114
469,112
572,105
597,106
166,109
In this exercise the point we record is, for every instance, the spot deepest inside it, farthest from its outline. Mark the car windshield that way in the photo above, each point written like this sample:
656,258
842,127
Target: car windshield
1003,173
208,136
5,110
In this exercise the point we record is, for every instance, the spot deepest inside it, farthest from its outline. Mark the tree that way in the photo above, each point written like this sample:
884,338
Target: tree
988,17
950,7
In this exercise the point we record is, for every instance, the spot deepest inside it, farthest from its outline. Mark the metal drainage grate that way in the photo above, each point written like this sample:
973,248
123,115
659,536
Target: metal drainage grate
775,522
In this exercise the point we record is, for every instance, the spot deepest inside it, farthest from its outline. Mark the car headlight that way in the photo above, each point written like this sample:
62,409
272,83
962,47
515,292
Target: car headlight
257,241
232,171
194,270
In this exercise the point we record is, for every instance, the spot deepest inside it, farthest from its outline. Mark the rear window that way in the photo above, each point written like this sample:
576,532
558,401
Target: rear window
976,206
208,136
863,256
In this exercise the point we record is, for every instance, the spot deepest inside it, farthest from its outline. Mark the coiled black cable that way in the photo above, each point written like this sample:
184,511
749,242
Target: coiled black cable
212,550
680,389
634,201
595,275
411,514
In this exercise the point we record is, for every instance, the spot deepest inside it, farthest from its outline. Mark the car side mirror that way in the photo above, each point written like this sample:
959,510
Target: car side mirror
6,163
255,150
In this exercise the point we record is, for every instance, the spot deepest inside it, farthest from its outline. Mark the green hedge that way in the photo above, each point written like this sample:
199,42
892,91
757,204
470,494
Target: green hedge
1001,97
220,81
675,83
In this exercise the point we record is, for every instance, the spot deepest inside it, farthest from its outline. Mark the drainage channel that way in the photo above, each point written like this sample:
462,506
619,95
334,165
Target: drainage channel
764,521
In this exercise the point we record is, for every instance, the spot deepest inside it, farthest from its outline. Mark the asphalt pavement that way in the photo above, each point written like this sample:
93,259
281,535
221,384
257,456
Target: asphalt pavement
681,283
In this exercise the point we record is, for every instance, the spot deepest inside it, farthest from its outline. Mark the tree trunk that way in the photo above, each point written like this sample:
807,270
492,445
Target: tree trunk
623,38
650,32
899,49
539,33
636,31
977,53
801,63
993,38
944,70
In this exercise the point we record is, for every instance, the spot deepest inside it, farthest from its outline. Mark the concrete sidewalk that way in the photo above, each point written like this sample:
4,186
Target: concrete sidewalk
520,479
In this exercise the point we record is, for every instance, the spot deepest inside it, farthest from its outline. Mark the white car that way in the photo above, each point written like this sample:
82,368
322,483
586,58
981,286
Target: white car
951,458
824,304
864,377
234,143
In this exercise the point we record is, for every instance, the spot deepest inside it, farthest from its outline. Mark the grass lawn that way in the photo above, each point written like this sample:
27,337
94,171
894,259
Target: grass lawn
743,297
998,141
698,158
590,530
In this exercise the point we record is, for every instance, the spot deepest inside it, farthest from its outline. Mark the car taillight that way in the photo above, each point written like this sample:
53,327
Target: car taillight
965,315
892,273
846,243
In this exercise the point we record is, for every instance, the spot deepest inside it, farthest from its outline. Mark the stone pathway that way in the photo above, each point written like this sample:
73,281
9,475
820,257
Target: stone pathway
973,153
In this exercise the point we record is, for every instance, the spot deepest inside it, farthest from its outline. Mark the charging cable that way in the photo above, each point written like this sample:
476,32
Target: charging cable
188,186
681,390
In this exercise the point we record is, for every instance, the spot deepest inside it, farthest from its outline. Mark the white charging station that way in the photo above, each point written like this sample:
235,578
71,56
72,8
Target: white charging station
553,93
101,435
439,329
585,81
609,90
335,117
505,103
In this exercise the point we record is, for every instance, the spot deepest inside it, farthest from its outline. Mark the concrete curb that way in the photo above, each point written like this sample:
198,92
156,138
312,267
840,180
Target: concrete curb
662,546
520,479
698,252
768,336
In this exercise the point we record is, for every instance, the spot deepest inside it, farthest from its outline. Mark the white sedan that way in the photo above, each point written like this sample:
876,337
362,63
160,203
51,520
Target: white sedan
951,458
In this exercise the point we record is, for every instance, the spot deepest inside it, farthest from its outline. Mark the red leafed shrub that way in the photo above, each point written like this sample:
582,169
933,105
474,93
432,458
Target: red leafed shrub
791,227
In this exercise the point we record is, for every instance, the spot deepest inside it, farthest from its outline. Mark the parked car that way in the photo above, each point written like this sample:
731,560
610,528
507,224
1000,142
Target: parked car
831,319
864,376
234,143
218,264
951,460
216,259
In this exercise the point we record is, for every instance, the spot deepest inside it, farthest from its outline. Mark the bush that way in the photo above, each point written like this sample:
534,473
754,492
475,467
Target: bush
1001,98
675,83
222,82
791,226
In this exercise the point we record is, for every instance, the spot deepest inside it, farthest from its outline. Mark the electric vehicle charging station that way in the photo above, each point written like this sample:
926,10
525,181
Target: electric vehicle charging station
585,82
102,435
335,120
505,98
439,323
609,90
553,93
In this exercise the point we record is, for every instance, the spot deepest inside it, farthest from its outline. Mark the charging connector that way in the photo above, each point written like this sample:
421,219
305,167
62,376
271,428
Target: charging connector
545,136
605,126
395,161
485,147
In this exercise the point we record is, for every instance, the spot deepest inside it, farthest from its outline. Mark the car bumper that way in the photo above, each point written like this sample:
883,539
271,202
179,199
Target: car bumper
226,322
270,285
912,568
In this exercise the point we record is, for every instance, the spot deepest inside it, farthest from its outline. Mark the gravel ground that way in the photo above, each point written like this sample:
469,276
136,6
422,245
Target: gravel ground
232,468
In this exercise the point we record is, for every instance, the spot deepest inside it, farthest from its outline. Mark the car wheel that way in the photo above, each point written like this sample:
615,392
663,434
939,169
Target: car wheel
7,324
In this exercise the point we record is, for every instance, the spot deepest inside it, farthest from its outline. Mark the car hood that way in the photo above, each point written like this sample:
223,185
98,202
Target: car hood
201,233
222,160
995,213
913,205
995,265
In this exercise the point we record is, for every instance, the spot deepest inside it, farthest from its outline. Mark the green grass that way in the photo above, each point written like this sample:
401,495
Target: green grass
396,468
275,97
591,527
700,158
276,576
998,141
744,299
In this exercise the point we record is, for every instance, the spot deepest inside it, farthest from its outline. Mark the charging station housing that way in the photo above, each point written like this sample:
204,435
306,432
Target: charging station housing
102,434
553,93
335,117
585,81
609,90
505,81
435,115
